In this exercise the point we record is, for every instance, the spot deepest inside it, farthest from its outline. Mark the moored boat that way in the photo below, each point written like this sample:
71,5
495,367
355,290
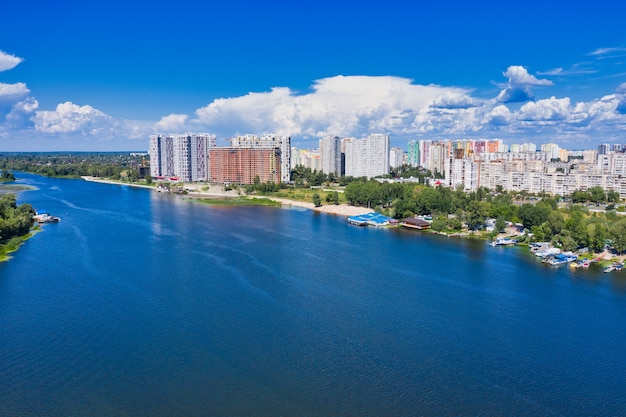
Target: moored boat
45,218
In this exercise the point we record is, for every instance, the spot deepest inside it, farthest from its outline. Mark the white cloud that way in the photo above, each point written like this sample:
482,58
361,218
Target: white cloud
13,92
576,69
451,100
604,52
548,110
71,118
172,123
341,105
20,115
8,62
621,96
520,85
499,116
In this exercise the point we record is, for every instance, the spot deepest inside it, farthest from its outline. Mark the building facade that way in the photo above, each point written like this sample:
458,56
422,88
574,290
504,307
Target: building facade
184,156
330,151
367,157
237,165
283,143
396,157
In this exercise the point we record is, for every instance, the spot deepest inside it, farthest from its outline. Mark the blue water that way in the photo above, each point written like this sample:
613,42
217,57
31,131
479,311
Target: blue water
143,304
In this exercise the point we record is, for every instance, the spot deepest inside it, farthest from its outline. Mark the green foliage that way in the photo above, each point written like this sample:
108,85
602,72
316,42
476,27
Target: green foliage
533,215
14,221
104,165
7,176
617,234
333,198
317,200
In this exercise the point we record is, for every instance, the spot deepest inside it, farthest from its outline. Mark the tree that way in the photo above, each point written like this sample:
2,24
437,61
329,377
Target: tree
597,194
317,200
612,196
500,224
617,232
7,176
533,215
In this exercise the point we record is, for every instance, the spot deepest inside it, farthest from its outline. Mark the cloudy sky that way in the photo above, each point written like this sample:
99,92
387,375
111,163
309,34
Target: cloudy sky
79,77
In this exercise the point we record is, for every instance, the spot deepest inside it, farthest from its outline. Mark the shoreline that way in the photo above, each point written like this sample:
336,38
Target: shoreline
215,191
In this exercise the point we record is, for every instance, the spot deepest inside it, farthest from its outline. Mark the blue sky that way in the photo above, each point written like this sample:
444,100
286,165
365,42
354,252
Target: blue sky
77,76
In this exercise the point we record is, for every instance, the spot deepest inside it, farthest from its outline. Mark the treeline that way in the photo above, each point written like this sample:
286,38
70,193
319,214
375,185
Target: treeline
571,227
104,165
303,177
15,221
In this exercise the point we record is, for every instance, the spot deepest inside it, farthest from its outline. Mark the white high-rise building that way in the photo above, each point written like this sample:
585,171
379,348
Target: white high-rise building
330,151
396,157
552,149
273,141
367,157
184,156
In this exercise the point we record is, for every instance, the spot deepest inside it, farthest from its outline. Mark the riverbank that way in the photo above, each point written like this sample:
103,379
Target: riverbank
14,244
203,191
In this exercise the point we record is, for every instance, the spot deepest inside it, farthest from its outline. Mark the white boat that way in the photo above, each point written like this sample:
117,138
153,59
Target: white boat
547,252
45,218
504,241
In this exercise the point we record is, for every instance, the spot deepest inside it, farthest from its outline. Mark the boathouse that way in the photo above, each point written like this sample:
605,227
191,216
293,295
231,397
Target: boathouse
414,223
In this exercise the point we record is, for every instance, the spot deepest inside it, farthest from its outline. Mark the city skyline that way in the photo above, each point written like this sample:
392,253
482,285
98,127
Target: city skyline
72,78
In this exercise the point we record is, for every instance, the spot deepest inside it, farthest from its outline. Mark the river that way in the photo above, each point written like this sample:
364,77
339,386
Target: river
144,304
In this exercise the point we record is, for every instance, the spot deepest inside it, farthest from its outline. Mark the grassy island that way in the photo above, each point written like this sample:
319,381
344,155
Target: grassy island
239,201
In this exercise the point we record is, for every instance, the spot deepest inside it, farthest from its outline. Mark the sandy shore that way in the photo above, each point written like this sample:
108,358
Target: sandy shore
204,191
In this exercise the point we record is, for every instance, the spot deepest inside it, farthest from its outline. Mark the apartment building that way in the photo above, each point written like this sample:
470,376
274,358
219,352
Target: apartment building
330,152
367,157
283,143
396,157
180,155
237,165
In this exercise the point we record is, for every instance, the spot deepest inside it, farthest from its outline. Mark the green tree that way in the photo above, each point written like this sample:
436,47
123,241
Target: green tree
533,215
597,194
317,200
500,224
617,233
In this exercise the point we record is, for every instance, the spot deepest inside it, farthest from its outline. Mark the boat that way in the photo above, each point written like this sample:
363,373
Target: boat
504,241
560,258
615,266
45,218
547,252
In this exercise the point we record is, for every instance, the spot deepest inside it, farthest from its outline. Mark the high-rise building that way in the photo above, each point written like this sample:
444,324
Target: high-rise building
283,143
396,157
184,156
239,165
604,148
413,154
330,151
367,157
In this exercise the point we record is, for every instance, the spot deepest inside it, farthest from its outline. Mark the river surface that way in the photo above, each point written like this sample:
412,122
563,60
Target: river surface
144,304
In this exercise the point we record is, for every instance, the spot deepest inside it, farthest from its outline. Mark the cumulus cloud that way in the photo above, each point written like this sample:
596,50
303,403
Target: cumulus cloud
8,61
621,97
12,98
499,116
71,118
519,88
548,110
171,123
20,115
449,100
341,105
13,92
